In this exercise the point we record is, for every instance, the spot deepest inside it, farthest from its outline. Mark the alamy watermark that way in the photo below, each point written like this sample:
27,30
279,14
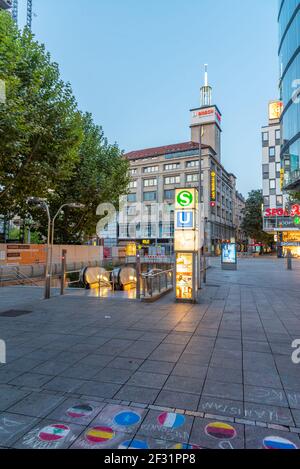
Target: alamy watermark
296,353
2,352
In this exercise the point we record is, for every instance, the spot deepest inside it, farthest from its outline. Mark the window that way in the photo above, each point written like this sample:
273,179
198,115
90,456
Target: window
279,200
272,184
133,185
172,180
150,169
278,167
192,164
131,198
265,136
133,172
278,135
266,201
192,177
150,196
172,167
169,194
272,151
150,182
265,171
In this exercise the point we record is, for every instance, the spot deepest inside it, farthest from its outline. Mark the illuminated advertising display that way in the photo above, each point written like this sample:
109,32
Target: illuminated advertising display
184,276
186,243
275,109
213,187
206,116
229,256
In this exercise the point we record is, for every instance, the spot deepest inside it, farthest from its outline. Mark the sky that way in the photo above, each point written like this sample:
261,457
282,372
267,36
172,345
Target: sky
137,66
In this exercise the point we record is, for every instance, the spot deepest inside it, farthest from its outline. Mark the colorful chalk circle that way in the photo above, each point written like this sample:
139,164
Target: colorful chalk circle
99,434
54,432
185,446
80,411
221,431
275,442
171,420
127,419
139,444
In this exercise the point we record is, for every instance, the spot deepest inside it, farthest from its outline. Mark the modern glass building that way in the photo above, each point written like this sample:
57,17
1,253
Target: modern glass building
289,57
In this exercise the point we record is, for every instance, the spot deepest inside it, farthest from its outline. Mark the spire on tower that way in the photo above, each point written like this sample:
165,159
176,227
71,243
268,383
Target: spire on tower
206,90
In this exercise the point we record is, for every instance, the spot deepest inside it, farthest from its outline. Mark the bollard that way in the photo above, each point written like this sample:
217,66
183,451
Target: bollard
289,260
138,276
63,271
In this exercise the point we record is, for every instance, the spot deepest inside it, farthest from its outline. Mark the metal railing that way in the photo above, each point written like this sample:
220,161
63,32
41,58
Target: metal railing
154,284
15,276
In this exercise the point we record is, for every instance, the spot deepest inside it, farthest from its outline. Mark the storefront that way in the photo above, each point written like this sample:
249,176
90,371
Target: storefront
290,242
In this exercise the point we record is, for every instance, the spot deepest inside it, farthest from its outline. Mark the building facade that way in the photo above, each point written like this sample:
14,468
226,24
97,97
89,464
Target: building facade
146,215
289,57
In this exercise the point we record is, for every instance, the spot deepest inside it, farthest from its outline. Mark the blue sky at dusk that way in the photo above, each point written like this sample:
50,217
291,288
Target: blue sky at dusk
137,65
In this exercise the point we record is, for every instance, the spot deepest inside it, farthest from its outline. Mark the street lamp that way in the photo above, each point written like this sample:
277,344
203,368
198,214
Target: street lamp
50,237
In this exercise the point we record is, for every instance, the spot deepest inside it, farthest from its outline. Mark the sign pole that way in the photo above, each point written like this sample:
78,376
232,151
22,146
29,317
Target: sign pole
199,208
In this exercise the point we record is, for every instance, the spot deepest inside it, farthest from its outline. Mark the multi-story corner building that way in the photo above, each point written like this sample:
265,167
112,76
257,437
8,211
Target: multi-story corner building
280,215
289,56
157,172
271,160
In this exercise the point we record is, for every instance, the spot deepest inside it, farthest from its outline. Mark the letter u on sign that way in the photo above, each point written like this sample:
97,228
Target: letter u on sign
185,220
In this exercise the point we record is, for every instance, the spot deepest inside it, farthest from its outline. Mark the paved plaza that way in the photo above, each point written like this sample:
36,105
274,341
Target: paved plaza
85,372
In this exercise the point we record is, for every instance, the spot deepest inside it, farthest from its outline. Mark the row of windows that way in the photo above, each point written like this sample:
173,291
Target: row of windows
167,167
291,122
266,170
168,180
279,201
266,136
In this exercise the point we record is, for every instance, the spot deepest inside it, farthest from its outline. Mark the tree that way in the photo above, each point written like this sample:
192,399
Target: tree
40,126
100,175
48,148
252,223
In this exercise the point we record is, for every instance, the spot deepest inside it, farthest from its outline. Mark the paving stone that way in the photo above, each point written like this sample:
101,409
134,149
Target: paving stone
190,371
100,438
120,418
137,394
294,399
33,380
184,384
266,396
7,375
50,435
36,404
268,414
225,375
94,388
9,395
222,407
78,411
178,400
212,434
223,390
113,375
126,363
13,426
296,415
266,380
257,438
63,384
150,366
169,426
149,380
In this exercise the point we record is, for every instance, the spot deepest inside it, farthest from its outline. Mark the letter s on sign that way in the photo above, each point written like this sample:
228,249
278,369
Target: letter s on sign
296,354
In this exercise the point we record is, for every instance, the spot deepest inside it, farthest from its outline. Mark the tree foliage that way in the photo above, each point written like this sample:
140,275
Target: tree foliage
48,148
253,221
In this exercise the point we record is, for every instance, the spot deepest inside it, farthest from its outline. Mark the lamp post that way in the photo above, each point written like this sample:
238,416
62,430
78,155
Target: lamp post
50,237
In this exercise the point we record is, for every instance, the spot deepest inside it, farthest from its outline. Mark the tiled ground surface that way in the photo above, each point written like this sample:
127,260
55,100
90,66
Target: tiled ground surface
216,375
